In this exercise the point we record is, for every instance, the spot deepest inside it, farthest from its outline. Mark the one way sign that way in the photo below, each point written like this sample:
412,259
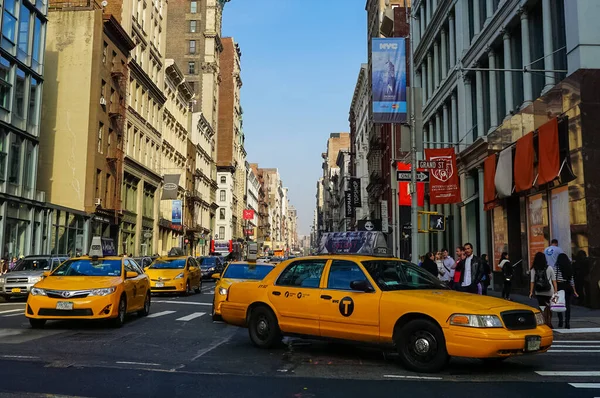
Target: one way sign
422,176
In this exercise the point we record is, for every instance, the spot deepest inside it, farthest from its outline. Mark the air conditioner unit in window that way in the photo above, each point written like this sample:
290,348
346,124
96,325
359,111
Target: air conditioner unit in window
98,202
102,101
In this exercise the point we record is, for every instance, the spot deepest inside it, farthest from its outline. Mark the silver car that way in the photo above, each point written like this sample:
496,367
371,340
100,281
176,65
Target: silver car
28,271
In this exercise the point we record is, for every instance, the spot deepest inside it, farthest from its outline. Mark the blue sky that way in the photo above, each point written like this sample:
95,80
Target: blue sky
300,63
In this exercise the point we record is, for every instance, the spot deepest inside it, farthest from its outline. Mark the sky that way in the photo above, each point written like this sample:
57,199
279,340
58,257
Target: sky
300,63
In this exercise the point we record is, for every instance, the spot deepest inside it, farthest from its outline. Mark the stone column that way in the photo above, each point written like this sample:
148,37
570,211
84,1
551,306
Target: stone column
489,9
424,82
446,136
429,75
438,130
436,65
508,81
444,56
429,9
526,50
432,135
548,44
468,110
422,19
454,111
483,222
476,19
493,90
479,98
452,39
138,221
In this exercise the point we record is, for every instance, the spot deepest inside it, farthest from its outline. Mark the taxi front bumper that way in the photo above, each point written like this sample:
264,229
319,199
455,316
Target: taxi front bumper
172,286
96,307
493,343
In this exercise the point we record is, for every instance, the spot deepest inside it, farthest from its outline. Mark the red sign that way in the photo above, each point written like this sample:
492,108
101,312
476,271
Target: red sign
404,198
248,214
249,232
444,185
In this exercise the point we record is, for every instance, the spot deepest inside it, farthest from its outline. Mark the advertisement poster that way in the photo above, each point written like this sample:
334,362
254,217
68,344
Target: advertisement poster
368,243
389,80
535,217
176,212
444,185
561,220
500,235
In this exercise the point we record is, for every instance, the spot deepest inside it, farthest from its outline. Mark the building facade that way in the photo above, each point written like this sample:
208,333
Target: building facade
331,175
252,203
343,214
264,220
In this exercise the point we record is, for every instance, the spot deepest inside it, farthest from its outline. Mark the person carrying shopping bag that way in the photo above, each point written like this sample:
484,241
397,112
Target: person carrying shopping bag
565,281
543,285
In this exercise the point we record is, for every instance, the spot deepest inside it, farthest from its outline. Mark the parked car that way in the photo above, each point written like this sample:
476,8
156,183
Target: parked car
211,265
27,272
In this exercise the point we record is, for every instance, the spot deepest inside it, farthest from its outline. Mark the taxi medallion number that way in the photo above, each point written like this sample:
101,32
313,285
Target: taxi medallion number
160,284
64,305
16,290
532,343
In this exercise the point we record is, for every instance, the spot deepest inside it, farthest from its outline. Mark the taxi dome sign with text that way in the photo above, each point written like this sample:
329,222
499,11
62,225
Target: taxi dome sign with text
369,243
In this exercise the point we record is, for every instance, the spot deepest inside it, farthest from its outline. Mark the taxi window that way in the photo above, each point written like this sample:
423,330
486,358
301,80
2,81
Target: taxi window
246,271
131,266
401,275
86,267
302,274
192,262
342,273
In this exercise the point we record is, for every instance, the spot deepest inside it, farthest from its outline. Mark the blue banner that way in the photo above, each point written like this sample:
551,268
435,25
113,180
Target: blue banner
176,213
389,80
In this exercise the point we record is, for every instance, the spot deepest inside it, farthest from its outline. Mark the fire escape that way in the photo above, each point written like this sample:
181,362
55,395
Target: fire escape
376,146
116,155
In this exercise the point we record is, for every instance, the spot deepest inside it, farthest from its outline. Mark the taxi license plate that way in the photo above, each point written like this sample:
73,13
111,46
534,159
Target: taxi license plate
160,284
64,305
532,343
16,290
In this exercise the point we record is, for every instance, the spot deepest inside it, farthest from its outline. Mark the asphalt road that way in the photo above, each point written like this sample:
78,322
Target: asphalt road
179,351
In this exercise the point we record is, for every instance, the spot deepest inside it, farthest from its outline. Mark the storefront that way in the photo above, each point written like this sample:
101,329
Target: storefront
68,232
170,235
128,233
105,224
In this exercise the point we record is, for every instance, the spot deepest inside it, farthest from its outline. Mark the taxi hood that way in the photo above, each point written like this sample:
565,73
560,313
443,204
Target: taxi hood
165,273
457,302
78,282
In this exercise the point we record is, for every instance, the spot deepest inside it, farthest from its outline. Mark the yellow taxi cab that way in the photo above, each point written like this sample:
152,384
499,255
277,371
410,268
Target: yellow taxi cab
90,287
175,273
239,271
381,300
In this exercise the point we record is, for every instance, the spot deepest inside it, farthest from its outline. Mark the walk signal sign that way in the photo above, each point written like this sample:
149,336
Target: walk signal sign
437,222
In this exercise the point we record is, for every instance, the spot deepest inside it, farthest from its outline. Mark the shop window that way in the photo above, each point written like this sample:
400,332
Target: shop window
5,83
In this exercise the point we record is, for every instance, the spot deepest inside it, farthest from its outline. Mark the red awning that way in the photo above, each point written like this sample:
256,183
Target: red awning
548,152
523,169
489,184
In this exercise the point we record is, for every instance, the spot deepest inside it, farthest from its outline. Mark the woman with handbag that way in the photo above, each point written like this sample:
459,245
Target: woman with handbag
507,274
566,282
543,285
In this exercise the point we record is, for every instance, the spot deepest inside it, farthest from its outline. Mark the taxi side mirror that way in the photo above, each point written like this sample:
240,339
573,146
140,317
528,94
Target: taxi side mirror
131,275
361,286
216,276
46,274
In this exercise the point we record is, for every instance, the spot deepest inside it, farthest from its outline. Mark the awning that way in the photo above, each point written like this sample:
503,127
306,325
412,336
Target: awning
503,179
548,152
489,186
524,163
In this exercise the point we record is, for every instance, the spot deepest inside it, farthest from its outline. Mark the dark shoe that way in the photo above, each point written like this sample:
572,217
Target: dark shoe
560,324
567,326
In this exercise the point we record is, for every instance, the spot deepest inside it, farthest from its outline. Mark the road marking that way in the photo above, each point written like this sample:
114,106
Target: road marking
551,350
138,363
3,304
412,377
212,347
157,314
577,330
179,302
578,341
585,385
7,311
569,373
19,314
575,346
18,357
193,315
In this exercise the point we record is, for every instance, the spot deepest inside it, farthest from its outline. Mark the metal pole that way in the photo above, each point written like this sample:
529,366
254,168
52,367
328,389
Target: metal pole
394,199
413,169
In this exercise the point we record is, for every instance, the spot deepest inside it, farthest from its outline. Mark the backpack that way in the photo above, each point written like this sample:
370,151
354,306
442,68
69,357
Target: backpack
541,282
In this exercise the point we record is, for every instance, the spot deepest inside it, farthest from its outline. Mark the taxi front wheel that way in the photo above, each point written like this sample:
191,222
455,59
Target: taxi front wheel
263,328
422,346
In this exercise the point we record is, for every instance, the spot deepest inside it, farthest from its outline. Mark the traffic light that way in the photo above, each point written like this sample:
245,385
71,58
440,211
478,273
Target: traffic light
437,222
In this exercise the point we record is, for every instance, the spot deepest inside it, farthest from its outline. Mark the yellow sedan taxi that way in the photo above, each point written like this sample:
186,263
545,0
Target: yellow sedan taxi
175,274
385,301
90,288
240,271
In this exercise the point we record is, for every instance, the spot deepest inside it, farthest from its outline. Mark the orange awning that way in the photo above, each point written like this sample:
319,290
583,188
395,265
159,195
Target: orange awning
548,152
489,185
523,169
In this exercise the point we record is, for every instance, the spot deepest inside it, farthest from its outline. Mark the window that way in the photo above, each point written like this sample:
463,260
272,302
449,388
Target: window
37,50
193,7
28,166
14,165
100,135
192,68
193,26
222,195
223,179
302,274
9,25
23,38
221,214
221,232
5,83
98,182
342,273
192,46
104,52
19,108
3,156
34,102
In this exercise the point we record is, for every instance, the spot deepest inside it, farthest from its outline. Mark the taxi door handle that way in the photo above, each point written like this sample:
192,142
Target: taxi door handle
276,293
325,297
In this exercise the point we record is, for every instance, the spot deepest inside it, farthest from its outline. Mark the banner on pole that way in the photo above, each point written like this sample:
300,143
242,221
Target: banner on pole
171,186
348,204
176,212
389,80
355,189
384,216
444,185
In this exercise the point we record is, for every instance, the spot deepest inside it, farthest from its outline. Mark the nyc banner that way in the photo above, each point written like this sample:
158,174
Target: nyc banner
176,212
444,185
389,80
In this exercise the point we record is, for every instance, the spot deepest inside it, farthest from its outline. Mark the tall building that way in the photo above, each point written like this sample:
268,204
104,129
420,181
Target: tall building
274,196
336,143
21,73
497,120
292,215
81,145
231,155
252,202
264,222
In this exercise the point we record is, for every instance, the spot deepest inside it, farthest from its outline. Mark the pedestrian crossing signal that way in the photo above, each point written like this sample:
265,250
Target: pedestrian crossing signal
437,222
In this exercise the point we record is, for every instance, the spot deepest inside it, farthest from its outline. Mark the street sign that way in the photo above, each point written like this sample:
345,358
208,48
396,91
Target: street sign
422,176
437,222
432,164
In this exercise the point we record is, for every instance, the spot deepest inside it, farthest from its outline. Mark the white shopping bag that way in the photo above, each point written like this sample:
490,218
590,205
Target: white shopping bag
558,302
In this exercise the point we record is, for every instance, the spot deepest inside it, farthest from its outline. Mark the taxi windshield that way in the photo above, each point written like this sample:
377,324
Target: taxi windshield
86,267
247,271
400,275
30,264
168,264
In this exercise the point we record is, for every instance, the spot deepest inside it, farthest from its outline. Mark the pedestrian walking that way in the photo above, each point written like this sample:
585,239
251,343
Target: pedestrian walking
471,269
581,271
552,252
487,274
565,281
543,285
457,269
447,270
429,264
507,274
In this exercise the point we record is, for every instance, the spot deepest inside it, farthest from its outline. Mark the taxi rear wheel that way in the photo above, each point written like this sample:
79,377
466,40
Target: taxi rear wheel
146,308
37,323
263,328
422,346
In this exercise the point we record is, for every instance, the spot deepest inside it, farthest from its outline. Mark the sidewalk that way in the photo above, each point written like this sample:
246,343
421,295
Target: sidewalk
583,320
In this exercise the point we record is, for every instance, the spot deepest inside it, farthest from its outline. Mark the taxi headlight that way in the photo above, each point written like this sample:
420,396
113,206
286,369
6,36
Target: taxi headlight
2,281
475,321
180,276
539,318
37,292
223,291
35,279
102,292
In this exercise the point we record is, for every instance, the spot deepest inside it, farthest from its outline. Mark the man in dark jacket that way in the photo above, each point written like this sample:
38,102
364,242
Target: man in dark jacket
472,271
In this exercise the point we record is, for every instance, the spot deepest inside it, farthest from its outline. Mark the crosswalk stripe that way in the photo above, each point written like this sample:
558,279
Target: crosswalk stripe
568,373
577,330
574,346
193,315
18,314
7,311
577,341
157,314
590,351
585,385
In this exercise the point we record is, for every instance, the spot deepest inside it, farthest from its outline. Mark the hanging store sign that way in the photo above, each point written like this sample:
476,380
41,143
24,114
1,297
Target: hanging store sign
348,204
389,80
170,187
355,188
369,225
248,214
176,212
444,185
384,216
